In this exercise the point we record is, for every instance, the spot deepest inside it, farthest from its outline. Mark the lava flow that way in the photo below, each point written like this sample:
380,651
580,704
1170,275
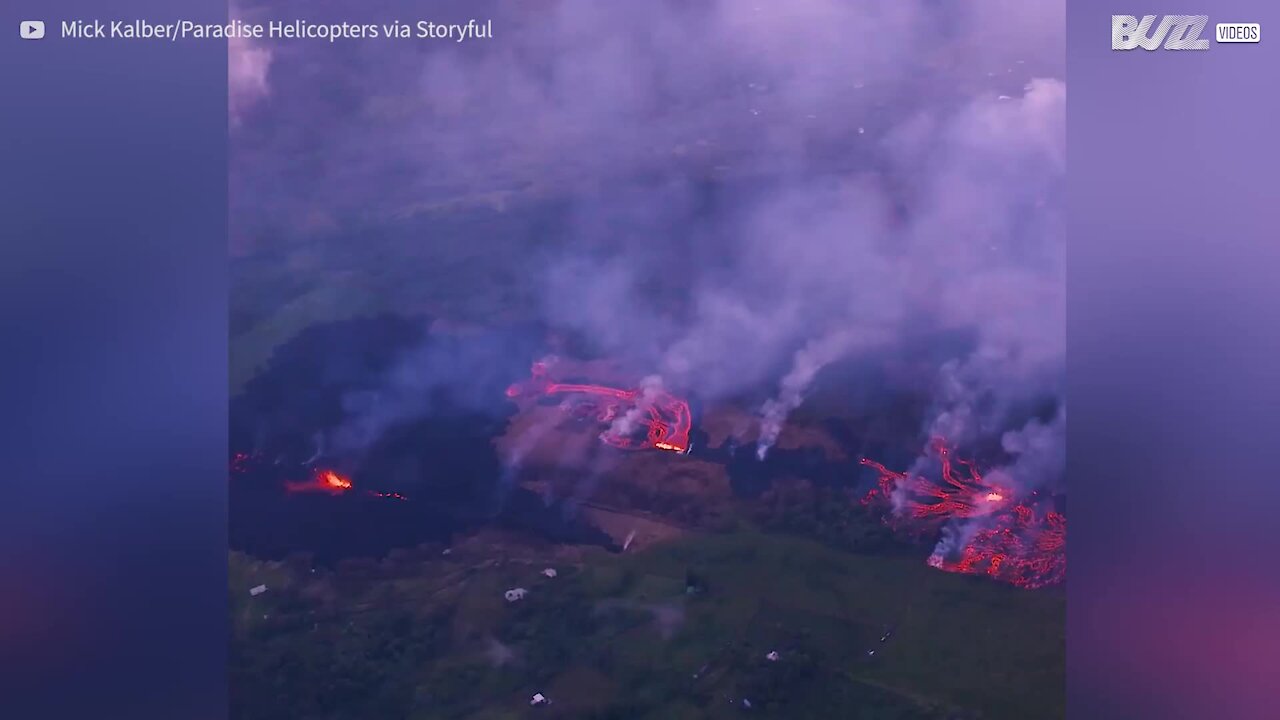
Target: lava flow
329,482
988,531
1022,548
326,481
921,502
333,483
668,420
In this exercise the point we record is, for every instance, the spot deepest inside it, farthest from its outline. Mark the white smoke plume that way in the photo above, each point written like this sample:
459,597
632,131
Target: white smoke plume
248,65
956,536
318,440
808,361
637,415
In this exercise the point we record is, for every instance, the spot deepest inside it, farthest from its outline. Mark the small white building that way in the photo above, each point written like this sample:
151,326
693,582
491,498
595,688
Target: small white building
515,594
257,590
772,656
539,699
549,572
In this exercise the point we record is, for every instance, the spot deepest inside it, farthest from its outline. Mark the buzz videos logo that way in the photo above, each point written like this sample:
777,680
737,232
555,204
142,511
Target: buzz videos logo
1175,32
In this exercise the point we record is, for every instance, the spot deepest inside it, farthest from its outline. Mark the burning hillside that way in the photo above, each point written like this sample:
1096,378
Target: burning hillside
982,527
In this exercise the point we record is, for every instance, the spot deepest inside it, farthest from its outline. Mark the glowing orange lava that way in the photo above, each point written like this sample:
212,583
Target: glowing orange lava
334,483
1008,541
1022,548
668,417
326,481
330,482
959,493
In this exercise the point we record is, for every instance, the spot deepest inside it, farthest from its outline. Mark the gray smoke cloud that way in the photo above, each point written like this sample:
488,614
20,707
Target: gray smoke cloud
746,192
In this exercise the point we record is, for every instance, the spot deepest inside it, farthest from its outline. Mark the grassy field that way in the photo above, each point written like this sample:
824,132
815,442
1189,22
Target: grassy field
428,635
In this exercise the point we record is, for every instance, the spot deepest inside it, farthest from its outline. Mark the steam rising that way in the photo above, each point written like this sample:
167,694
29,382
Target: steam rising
637,415
812,358
747,192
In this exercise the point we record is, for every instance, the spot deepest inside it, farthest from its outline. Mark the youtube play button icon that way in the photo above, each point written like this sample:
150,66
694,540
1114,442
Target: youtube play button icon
31,29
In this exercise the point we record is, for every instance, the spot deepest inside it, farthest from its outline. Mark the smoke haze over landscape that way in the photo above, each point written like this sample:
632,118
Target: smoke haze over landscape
747,192
548,347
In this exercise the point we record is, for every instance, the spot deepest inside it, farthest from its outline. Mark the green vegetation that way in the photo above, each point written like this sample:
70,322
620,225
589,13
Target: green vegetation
423,635
831,515
468,265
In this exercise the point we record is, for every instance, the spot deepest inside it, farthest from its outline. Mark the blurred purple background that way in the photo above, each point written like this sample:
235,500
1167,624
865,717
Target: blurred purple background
1172,334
